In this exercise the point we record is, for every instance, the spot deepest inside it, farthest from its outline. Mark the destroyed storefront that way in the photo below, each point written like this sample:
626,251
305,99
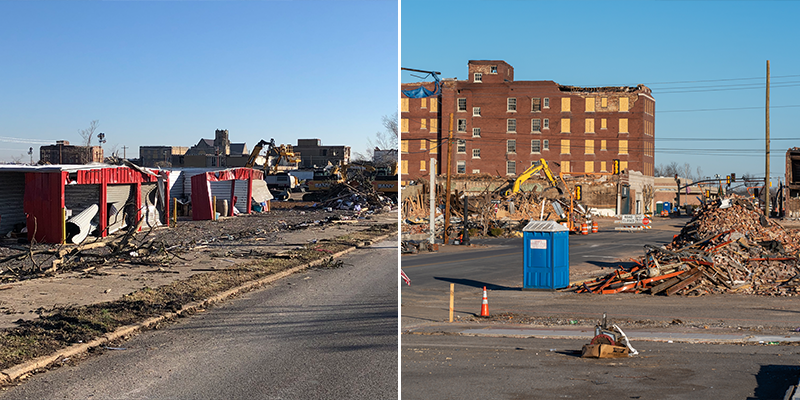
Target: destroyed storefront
68,203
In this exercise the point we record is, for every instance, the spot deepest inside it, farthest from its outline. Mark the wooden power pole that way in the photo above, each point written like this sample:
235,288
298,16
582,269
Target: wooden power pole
449,170
766,175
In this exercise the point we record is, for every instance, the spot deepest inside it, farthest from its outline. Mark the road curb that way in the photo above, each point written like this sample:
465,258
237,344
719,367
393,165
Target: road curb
12,373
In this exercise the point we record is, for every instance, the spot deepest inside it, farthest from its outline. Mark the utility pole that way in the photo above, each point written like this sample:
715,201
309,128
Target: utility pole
124,152
447,188
432,199
766,176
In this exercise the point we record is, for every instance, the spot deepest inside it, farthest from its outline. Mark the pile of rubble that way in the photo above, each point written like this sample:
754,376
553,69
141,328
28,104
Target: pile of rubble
727,247
355,196
491,213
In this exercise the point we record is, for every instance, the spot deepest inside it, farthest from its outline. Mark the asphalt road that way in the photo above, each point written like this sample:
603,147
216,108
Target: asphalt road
459,367
322,334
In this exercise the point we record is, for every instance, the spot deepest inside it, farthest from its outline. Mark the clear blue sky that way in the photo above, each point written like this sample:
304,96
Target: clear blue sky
694,55
171,72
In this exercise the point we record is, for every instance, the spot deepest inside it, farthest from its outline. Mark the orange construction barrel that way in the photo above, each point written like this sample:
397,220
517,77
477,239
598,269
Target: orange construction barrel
584,229
595,227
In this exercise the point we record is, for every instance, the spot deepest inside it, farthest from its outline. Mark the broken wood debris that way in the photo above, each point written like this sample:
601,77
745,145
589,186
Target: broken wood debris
721,250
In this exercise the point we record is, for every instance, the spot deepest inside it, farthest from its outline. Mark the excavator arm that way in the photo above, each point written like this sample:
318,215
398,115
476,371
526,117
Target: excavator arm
540,165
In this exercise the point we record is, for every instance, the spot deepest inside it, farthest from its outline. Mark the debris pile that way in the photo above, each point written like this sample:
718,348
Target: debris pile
727,247
490,213
355,196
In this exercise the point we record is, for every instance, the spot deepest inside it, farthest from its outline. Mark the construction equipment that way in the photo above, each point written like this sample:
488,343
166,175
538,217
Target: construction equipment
540,165
274,154
386,181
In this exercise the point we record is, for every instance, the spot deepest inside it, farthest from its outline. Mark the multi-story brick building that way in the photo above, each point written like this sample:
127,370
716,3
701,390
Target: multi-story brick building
159,156
64,153
500,126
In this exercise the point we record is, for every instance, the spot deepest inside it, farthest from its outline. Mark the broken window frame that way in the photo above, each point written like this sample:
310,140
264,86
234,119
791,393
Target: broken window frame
461,146
511,104
462,125
476,132
511,146
536,125
461,167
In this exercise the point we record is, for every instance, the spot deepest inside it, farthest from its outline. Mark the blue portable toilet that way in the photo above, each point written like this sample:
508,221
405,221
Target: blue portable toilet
668,207
545,255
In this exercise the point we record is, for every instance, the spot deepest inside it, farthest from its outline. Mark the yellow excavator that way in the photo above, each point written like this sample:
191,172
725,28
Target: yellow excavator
540,165
274,153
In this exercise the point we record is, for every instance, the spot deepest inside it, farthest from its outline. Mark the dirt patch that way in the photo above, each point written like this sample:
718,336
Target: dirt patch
206,258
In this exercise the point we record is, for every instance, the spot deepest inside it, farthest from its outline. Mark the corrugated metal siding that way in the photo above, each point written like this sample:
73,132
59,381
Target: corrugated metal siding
79,197
118,196
12,196
151,207
222,190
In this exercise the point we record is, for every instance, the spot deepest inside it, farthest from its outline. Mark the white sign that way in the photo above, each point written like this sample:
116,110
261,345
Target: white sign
631,218
539,244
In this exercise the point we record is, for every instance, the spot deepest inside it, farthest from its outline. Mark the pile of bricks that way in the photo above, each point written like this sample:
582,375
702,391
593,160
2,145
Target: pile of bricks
728,247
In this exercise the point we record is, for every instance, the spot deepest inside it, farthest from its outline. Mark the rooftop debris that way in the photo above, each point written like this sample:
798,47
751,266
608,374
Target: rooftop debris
727,247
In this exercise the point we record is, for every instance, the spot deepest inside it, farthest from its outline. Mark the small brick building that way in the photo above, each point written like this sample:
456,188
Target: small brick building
64,153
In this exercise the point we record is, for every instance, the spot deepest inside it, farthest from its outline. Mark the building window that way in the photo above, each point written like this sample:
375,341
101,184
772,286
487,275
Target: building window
434,125
423,103
493,69
546,123
536,104
476,153
404,125
511,146
422,165
511,125
461,146
423,124
603,123
324,152
623,147
476,111
536,146
565,104
546,144
546,102
403,166
434,146
462,104
434,105
404,104
476,132
461,167
511,167
565,125
623,104
536,125
511,104
589,147
623,125
589,125
478,77
604,102
404,146
603,166
462,125
423,144
590,104
566,167
588,166
564,146
476,171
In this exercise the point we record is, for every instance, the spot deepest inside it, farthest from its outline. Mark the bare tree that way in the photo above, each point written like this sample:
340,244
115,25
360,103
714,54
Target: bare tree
383,140
88,133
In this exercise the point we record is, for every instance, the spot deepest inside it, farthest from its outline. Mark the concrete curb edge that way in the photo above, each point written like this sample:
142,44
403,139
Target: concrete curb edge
10,374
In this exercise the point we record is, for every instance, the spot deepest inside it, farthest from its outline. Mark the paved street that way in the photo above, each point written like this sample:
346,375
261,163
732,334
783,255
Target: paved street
504,359
459,367
322,334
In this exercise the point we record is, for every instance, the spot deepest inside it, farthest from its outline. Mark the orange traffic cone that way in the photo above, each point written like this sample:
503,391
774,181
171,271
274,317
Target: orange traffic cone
484,304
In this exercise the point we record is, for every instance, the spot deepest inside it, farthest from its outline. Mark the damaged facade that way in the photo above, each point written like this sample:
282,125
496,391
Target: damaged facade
64,153
501,126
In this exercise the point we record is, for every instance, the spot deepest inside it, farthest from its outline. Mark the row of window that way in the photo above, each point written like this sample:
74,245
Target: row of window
511,166
537,146
537,104
538,124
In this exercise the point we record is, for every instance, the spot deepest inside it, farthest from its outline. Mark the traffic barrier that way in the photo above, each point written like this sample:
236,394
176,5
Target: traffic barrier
584,229
484,304
595,227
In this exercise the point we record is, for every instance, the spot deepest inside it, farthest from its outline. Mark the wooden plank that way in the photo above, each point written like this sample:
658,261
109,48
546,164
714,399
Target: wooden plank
686,282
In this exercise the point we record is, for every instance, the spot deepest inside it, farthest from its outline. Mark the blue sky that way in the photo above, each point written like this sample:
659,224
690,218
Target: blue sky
694,55
170,73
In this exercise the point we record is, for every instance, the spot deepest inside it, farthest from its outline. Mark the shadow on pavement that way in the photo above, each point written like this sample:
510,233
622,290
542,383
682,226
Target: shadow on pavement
773,380
476,284
612,265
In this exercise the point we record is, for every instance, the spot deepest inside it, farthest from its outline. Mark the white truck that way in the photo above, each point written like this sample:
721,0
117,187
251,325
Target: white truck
282,181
